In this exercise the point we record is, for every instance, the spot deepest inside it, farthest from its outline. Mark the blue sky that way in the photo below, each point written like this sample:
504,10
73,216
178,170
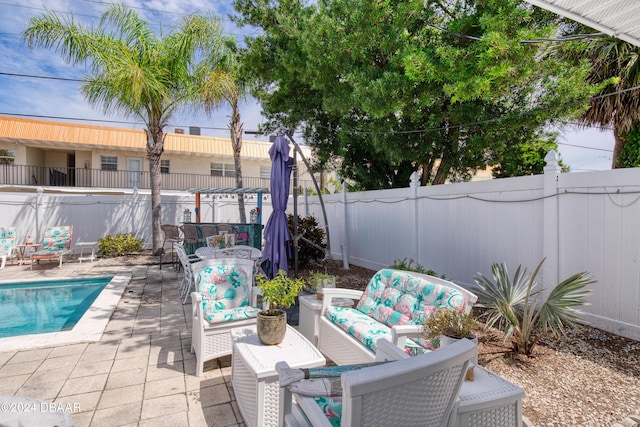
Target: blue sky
588,149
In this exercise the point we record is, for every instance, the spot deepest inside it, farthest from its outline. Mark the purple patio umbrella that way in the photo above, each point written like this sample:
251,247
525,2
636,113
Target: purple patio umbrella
276,232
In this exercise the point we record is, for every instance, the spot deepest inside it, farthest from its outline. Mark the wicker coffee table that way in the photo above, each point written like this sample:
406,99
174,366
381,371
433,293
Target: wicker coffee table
253,374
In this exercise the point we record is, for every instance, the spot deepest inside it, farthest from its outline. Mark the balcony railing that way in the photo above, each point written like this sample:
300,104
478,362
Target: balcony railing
98,178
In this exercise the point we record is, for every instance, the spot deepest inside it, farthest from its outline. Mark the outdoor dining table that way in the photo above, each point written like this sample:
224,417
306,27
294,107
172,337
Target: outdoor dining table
208,252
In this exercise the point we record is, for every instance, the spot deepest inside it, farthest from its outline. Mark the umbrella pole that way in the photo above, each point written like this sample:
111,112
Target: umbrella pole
295,214
315,184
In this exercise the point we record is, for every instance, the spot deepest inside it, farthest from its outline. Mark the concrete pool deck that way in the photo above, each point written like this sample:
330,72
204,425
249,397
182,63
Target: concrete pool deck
140,373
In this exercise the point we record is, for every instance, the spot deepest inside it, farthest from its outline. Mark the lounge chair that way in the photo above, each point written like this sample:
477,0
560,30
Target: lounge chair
225,298
56,244
7,244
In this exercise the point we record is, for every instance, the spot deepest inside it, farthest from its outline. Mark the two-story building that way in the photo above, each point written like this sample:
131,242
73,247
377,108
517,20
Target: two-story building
48,153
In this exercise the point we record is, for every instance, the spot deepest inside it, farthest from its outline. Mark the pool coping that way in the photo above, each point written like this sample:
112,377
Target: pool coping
89,328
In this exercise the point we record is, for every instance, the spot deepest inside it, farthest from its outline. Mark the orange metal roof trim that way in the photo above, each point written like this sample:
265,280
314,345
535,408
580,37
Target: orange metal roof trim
56,133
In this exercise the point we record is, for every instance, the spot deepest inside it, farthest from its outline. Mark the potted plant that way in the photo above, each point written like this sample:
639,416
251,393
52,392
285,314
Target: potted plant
318,281
278,293
447,326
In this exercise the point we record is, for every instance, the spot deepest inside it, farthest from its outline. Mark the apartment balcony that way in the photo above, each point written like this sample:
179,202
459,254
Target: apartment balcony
97,178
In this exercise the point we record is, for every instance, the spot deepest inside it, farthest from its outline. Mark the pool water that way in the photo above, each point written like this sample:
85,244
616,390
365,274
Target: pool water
50,306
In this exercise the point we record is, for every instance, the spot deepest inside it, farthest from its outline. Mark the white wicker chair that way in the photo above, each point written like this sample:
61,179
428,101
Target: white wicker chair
210,340
416,391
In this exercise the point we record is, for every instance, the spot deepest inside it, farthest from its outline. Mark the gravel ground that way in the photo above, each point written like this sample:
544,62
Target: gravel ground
588,378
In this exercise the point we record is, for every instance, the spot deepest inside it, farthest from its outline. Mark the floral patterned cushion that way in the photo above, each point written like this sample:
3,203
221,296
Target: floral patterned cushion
364,328
230,315
223,287
395,298
398,298
7,239
56,240
331,407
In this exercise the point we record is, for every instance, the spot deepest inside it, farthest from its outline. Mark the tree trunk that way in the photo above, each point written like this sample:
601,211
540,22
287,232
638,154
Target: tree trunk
235,129
441,173
616,161
155,142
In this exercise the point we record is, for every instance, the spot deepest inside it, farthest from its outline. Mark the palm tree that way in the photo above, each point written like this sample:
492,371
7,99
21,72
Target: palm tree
131,70
617,61
220,80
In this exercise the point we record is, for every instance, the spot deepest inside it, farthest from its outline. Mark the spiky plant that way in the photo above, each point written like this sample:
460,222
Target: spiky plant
513,305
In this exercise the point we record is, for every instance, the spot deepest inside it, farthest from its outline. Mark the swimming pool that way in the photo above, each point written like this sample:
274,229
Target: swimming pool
51,306
38,313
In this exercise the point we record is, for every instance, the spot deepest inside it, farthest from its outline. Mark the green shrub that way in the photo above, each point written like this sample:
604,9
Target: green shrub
312,245
403,264
119,245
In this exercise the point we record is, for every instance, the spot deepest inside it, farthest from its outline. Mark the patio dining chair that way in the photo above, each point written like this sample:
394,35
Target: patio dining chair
208,230
7,245
416,391
191,238
187,262
225,298
171,236
56,244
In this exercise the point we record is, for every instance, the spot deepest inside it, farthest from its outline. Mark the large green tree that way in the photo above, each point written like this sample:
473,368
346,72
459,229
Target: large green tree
132,70
390,87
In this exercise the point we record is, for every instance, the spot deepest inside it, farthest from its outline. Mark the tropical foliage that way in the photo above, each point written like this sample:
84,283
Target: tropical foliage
220,79
131,70
383,89
615,66
312,245
515,306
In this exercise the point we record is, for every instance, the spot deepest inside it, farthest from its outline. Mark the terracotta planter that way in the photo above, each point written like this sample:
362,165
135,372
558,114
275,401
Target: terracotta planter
271,328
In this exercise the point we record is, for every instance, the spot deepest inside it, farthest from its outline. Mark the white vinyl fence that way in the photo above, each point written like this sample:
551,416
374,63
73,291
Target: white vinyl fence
100,214
588,221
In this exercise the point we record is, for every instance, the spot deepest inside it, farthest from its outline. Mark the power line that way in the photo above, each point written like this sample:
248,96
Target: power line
584,146
31,76
493,120
225,20
463,125
569,38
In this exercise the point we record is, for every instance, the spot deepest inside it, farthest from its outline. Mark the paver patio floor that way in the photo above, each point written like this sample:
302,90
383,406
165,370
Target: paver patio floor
140,373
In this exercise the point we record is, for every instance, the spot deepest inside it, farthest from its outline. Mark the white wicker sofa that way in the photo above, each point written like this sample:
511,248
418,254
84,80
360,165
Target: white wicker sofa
394,306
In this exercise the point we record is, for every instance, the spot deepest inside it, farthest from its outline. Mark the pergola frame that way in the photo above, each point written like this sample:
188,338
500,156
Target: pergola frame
258,191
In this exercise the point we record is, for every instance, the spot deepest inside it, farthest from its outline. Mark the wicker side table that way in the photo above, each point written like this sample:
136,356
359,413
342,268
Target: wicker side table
489,400
253,373
310,308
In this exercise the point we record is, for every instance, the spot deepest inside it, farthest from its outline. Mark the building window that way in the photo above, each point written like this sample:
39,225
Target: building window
109,163
222,169
7,157
164,166
265,172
